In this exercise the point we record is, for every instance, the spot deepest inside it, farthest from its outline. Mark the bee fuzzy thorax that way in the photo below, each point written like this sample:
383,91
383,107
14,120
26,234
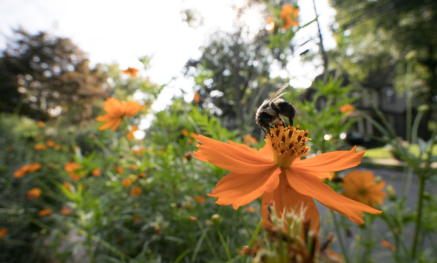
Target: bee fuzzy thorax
287,143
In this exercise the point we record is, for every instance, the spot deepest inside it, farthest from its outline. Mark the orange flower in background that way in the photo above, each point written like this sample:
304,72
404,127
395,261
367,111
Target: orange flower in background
40,124
131,71
33,193
119,169
45,212
115,111
248,139
184,132
141,175
50,143
130,135
200,199
66,211
3,232
96,172
347,108
271,24
138,151
289,15
387,244
126,182
71,167
250,209
25,169
196,97
74,177
40,147
132,167
361,187
277,173
135,191
193,218
136,218
67,186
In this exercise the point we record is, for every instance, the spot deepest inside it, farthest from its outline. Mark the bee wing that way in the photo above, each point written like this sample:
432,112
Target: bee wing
277,94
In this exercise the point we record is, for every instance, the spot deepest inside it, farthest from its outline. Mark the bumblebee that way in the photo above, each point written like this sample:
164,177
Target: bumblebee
270,110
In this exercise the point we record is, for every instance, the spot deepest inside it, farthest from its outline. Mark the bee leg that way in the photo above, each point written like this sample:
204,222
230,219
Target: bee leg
275,107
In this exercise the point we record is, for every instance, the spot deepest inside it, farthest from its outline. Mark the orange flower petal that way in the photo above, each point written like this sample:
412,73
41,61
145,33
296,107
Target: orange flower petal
232,158
288,199
116,124
330,162
308,184
240,189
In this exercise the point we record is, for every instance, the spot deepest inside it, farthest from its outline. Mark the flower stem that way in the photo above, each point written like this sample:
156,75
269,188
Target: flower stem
224,244
255,234
419,216
340,238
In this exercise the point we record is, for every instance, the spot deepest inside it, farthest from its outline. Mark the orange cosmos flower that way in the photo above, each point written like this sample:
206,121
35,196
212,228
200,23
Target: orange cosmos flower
3,232
132,167
271,24
33,193
115,111
44,212
119,169
126,182
28,168
66,211
40,124
136,218
193,218
74,177
361,187
277,173
200,199
248,139
40,147
289,15
67,186
96,172
139,151
131,71
71,167
196,97
250,209
142,175
130,135
347,108
50,143
135,191
387,244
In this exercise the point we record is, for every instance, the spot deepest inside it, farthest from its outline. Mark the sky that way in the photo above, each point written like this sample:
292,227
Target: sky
120,32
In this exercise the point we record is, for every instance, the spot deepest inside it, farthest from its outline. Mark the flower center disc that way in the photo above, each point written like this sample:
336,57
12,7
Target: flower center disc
287,144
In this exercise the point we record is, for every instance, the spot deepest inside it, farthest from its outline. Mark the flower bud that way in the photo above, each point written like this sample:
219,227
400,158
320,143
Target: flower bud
391,193
216,219
423,108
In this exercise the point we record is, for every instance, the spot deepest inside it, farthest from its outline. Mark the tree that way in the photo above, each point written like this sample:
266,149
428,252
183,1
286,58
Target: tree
43,76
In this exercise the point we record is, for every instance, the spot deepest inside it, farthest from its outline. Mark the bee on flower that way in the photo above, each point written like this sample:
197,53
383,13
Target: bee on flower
277,173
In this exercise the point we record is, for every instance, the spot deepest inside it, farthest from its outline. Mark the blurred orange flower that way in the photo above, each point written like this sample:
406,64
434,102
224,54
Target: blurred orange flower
387,244
40,124
184,132
196,97
119,169
136,218
74,177
132,167
115,111
139,151
200,199
250,209
66,211
130,135
193,218
126,182
3,232
131,71
277,173
44,212
67,186
40,147
271,24
361,187
50,143
25,169
142,175
71,167
347,108
289,15
249,140
96,172
135,191
33,193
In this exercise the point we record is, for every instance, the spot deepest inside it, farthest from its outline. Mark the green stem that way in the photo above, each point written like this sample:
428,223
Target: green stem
255,234
224,243
90,247
340,239
408,100
244,221
419,216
